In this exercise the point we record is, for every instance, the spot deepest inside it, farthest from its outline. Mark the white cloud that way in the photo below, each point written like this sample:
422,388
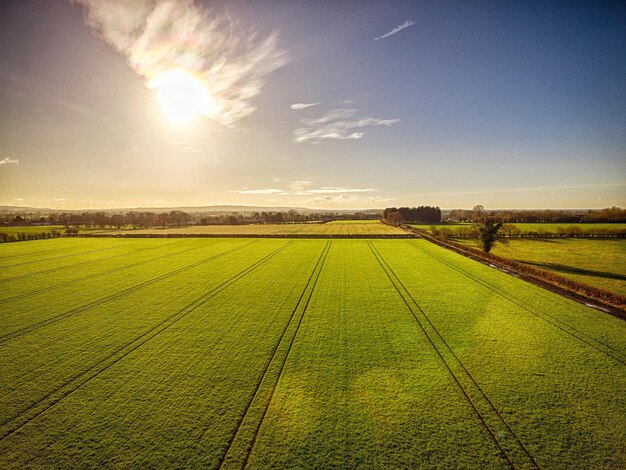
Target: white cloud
259,191
338,124
396,30
334,190
9,161
158,36
334,199
299,106
299,185
376,199
59,199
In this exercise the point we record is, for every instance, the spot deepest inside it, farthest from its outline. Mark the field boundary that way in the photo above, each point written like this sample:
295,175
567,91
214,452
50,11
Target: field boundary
599,299
12,425
489,416
246,235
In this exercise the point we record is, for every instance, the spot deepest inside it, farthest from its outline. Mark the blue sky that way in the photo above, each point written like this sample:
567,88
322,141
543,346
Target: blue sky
505,104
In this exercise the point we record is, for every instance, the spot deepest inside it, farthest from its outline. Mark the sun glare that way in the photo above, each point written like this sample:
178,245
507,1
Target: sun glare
181,95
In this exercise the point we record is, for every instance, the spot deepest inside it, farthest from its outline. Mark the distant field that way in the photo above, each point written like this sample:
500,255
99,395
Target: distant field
14,230
525,228
599,263
144,353
352,227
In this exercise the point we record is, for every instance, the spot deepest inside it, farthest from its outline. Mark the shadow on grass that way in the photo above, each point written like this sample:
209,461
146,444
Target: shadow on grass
563,268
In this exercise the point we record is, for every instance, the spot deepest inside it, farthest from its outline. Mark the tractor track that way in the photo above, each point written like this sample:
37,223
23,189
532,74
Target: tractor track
492,420
303,301
28,414
91,276
111,297
51,270
64,256
612,352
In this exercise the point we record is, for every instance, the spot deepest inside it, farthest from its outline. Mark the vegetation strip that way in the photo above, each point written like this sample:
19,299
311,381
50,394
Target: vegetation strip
606,301
561,325
511,448
229,458
12,425
111,297
248,235
91,276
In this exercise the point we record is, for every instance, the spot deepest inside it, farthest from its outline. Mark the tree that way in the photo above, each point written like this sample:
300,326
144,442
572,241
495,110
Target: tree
488,233
395,218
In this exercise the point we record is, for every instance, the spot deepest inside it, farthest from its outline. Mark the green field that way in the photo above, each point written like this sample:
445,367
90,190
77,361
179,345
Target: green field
529,227
349,227
15,229
297,353
599,263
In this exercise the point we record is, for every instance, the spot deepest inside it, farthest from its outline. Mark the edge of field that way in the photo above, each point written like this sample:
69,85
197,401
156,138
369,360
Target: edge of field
599,299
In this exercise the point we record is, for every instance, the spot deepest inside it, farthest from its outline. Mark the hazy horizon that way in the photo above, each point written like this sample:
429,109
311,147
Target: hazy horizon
319,105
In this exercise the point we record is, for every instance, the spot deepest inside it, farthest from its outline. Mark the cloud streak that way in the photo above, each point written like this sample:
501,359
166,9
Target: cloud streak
9,161
298,188
299,106
338,124
158,36
396,30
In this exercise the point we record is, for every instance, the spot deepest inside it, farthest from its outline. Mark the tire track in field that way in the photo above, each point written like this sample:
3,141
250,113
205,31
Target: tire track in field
245,434
589,340
510,446
109,298
28,414
51,270
111,271
64,256
4,258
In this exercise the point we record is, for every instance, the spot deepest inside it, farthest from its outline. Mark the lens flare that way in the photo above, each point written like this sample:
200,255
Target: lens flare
181,95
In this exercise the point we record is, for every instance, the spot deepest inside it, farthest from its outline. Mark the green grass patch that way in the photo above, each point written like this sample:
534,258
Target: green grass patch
297,353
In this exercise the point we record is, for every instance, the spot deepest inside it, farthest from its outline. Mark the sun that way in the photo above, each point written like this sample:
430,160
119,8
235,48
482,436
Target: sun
181,95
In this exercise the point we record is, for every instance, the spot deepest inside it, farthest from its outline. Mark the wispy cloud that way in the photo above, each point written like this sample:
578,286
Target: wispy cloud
338,124
9,161
334,190
299,185
158,36
396,30
300,188
299,106
338,198
259,191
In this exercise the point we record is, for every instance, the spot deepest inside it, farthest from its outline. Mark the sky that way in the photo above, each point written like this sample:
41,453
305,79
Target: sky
319,104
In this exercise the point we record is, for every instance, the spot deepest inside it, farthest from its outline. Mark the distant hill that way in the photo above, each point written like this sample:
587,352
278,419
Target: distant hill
190,209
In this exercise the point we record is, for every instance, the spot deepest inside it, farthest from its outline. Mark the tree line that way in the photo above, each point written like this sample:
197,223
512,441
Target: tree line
417,215
175,218
607,215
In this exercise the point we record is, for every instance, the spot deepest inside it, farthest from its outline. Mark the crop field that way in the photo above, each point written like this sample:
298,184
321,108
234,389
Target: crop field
598,263
531,227
351,227
297,353
15,229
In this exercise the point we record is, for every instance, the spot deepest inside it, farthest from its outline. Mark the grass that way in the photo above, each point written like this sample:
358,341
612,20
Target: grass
531,227
599,263
15,229
297,353
350,227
